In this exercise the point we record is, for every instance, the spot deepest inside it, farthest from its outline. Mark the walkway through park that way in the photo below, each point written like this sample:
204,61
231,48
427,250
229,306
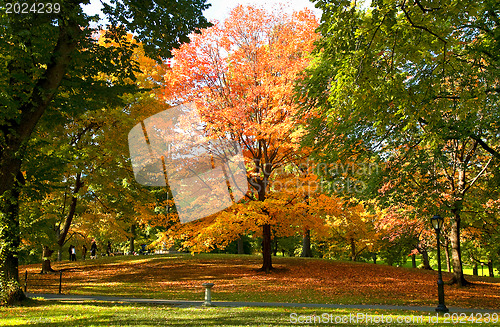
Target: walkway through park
183,303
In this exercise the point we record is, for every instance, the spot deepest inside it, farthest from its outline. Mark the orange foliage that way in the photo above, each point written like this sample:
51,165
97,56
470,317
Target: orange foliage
240,74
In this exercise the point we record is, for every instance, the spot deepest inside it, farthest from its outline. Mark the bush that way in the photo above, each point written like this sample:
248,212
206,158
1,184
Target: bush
10,292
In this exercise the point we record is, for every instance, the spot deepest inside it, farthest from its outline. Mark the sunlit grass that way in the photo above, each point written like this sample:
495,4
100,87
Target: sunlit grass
45,313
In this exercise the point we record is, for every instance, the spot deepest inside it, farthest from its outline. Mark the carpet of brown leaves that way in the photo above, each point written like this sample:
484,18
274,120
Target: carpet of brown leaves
237,278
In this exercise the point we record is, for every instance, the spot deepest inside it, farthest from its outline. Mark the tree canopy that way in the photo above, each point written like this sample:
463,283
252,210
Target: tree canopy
52,65
241,74
415,85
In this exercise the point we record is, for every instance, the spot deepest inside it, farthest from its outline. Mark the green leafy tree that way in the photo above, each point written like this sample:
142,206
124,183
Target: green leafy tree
51,63
416,84
88,194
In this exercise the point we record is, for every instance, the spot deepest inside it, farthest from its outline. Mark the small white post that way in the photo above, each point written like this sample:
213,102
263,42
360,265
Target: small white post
208,294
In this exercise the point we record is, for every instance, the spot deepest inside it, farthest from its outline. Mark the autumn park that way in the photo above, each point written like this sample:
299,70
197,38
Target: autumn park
276,166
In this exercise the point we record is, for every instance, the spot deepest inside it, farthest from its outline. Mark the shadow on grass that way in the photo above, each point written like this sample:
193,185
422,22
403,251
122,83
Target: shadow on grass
43,314
51,313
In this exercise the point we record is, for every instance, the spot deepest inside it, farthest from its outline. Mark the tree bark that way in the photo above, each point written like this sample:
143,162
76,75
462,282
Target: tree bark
131,239
72,209
275,245
475,271
266,248
447,254
11,241
425,258
267,264
306,244
413,261
10,238
241,249
353,249
46,254
490,268
59,252
15,133
306,238
456,253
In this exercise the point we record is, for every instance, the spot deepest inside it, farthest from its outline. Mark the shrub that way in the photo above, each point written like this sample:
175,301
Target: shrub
10,292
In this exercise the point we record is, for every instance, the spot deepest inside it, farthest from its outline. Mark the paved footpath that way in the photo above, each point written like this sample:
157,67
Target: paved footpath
183,303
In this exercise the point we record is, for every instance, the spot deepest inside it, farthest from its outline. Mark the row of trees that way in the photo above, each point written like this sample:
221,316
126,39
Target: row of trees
55,74
354,131
413,85
396,86
370,98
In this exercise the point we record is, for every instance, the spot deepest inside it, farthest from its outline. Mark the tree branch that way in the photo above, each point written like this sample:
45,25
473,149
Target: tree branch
46,87
407,15
485,146
478,175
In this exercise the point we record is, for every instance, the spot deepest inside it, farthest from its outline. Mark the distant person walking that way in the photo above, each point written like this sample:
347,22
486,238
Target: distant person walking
72,253
84,251
93,250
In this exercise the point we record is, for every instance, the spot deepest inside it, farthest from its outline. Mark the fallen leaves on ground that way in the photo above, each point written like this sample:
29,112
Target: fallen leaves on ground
237,278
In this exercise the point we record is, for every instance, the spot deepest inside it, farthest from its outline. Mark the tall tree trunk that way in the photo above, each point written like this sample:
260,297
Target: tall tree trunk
275,245
10,238
306,238
14,133
241,249
490,268
62,233
306,244
447,253
46,254
425,258
456,253
266,248
59,252
475,271
353,249
131,239
374,258
413,261
267,264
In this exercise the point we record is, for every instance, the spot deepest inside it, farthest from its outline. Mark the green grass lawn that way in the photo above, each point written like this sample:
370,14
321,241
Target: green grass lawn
48,313
467,269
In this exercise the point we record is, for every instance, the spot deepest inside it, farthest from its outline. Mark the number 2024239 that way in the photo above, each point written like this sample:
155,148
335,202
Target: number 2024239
32,8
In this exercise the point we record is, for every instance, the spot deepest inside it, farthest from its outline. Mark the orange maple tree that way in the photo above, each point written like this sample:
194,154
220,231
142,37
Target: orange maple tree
240,73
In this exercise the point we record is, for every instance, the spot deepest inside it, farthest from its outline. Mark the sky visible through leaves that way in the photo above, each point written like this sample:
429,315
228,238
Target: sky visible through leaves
220,8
